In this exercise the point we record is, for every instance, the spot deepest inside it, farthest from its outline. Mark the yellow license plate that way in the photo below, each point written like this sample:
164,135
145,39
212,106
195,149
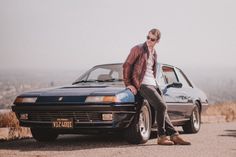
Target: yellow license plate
62,123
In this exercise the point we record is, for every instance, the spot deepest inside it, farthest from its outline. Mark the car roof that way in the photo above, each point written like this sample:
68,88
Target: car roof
108,64
163,64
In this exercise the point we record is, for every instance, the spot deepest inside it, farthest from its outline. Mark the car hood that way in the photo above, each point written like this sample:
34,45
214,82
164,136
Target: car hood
78,94
75,90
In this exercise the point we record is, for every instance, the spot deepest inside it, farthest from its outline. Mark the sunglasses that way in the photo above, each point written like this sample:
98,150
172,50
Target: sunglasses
152,39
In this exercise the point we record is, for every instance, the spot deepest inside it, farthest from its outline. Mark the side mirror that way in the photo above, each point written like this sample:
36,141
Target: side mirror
175,85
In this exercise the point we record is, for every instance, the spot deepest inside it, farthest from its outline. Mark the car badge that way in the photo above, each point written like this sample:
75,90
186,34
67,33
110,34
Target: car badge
60,99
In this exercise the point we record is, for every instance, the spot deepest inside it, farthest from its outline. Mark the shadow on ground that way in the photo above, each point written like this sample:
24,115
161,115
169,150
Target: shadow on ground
230,133
70,142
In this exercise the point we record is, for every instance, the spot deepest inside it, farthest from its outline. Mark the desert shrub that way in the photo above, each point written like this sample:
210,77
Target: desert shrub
8,119
227,109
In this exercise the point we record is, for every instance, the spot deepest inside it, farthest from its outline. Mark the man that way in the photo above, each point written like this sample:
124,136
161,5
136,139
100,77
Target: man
139,72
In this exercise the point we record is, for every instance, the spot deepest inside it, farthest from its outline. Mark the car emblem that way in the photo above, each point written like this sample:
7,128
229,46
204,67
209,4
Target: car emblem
60,99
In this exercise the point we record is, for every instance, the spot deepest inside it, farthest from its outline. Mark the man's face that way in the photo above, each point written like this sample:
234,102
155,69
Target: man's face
151,40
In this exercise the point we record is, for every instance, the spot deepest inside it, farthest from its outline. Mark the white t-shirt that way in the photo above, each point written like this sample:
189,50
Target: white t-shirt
149,78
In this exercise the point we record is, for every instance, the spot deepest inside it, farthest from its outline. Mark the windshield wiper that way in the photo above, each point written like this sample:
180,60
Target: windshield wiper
111,80
108,80
83,81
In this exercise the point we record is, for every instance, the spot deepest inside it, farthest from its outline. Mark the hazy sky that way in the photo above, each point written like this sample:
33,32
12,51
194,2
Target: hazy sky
77,34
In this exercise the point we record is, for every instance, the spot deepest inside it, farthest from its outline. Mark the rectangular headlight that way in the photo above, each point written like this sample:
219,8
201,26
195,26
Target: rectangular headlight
105,99
25,100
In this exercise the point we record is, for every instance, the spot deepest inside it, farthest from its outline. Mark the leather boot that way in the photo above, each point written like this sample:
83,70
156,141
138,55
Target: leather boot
163,140
179,140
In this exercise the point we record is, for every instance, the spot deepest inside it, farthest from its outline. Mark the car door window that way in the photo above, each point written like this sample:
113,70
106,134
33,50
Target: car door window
169,75
182,78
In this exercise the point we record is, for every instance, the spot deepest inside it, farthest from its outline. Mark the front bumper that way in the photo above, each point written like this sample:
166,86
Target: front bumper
84,116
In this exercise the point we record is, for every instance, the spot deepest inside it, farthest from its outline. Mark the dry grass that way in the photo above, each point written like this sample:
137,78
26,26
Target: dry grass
8,119
227,109
11,129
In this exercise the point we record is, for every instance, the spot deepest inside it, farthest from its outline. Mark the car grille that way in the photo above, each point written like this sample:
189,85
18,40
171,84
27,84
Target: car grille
77,116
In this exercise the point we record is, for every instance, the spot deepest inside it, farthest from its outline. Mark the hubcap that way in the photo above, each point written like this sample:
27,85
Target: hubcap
196,119
144,122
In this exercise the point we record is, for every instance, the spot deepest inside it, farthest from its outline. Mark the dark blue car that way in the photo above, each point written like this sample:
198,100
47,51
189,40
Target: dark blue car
99,102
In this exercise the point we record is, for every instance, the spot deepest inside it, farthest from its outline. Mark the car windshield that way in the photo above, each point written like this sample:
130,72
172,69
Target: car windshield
102,73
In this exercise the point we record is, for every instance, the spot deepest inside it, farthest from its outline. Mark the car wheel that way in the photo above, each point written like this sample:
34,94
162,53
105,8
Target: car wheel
194,124
43,135
139,130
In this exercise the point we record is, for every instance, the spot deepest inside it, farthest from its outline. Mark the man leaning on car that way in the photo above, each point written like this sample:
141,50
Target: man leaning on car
139,72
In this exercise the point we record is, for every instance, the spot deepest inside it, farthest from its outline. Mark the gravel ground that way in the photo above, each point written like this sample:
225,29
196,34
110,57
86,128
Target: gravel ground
213,140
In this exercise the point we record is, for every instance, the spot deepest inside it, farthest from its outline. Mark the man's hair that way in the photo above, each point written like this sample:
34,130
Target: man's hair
156,32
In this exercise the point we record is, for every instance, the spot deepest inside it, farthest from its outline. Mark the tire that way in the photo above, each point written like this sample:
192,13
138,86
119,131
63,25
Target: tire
194,124
140,129
44,135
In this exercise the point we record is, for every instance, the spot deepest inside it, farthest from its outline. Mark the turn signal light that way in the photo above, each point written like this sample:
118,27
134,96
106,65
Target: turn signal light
107,117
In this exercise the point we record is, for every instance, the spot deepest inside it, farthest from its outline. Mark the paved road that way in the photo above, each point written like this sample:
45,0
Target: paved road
214,140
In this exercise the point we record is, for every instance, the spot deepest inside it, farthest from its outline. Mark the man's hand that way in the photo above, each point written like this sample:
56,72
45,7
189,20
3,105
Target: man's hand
132,89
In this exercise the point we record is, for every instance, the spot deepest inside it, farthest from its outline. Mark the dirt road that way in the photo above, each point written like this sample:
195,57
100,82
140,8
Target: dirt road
214,140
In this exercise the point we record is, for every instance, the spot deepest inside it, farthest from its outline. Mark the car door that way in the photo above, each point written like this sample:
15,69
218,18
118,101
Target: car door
187,92
175,97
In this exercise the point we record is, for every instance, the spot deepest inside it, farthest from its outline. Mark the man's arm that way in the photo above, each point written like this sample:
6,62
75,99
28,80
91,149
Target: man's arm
128,66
